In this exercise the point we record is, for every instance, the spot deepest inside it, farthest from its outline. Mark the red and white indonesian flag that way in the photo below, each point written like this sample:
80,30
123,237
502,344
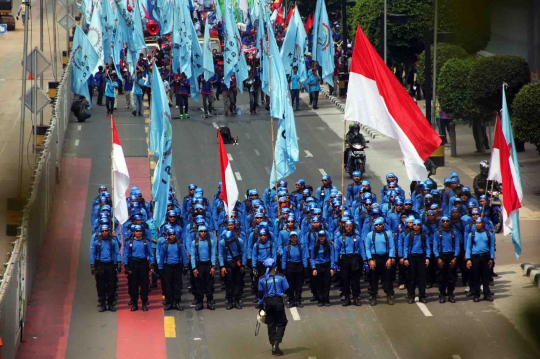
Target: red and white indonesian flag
120,177
503,170
376,99
229,190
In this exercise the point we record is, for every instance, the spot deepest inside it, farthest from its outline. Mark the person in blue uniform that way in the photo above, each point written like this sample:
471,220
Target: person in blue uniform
203,265
322,265
271,288
232,262
104,263
480,255
446,248
172,261
138,259
381,254
416,255
350,252
293,263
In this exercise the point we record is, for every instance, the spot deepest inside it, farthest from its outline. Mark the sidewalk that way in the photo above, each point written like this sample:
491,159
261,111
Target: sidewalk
10,91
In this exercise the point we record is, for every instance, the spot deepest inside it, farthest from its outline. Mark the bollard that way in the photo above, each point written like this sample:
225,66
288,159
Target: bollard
64,58
15,208
53,88
343,83
41,131
452,133
438,155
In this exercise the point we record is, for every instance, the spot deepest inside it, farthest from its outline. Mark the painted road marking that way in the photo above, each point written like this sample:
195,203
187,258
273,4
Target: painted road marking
323,172
238,177
257,152
423,308
294,313
229,156
76,142
215,125
311,357
308,154
248,136
455,356
267,170
245,196
79,127
170,327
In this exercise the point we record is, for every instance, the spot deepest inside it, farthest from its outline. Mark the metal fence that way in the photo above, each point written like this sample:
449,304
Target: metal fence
19,276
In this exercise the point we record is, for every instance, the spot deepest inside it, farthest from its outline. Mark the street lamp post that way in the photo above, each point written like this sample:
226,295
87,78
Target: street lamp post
385,39
434,120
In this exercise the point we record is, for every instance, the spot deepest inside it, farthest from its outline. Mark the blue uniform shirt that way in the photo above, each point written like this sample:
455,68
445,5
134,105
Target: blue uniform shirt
172,253
295,82
446,241
204,253
138,249
377,243
349,244
228,250
418,245
294,253
104,250
262,251
322,255
109,87
484,242
272,286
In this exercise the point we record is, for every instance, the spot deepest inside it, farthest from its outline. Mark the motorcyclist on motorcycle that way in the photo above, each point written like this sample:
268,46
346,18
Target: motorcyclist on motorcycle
481,183
353,137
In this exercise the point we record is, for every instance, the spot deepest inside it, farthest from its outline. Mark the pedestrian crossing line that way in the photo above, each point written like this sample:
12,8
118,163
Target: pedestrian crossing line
455,356
229,156
323,172
257,152
308,154
146,129
79,127
169,326
238,176
215,125
295,314
267,170
76,142
423,308
311,357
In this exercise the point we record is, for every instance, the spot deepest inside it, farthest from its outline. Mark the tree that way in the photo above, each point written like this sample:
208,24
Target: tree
455,89
445,52
488,76
526,115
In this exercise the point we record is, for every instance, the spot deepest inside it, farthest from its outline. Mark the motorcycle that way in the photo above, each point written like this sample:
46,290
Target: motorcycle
357,158
496,216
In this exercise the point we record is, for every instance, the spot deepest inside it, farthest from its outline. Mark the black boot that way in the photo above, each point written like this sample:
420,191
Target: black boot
347,302
229,305
103,308
356,301
373,300
168,306
237,304
145,307
276,351
135,307
112,308
178,306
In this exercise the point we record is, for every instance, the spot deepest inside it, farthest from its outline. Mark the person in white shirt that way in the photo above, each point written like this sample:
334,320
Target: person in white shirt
167,87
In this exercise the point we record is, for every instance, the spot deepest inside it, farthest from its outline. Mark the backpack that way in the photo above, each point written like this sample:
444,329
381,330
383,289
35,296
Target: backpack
289,250
257,248
111,248
373,241
422,240
227,249
197,257
178,244
452,234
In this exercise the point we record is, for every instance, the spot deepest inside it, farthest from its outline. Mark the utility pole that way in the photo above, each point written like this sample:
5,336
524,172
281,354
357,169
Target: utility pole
433,109
55,56
385,31
41,10
344,25
23,98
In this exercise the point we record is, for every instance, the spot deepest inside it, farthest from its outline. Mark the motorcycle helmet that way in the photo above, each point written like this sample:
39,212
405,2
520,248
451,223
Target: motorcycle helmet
484,167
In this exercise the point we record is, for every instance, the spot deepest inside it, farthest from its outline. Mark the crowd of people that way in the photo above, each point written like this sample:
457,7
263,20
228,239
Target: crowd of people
319,237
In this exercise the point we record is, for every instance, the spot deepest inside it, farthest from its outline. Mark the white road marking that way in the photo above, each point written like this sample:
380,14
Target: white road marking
423,308
294,313
229,156
323,172
308,154
311,357
245,196
79,127
267,170
215,125
257,152
76,142
455,356
238,177
248,136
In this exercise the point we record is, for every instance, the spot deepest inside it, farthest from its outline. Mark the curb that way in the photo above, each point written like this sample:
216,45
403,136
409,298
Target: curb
531,271
341,106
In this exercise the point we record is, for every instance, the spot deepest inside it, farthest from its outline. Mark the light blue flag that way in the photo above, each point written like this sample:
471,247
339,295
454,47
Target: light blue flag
137,31
158,110
278,79
161,9
86,8
208,59
235,62
323,45
219,15
196,65
509,137
302,47
108,16
160,127
286,151
120,35
85,59
262,46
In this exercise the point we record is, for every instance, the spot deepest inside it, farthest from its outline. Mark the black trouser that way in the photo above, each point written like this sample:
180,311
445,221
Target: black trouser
465,273
172,282
322,282
261,269
101,91
350,278
138,279
315,98
182,101
295,277
233,281
417,275
204,282
312,280
106,282
91,93
276,319
156,270
295,97
148,91
380,271
431,273
481,273
109,103
447,276
402,274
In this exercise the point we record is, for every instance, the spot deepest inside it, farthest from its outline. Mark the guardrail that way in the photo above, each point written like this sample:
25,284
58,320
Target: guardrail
16,285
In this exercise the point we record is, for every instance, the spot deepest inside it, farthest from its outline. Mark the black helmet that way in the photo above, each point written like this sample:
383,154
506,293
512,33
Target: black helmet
484,167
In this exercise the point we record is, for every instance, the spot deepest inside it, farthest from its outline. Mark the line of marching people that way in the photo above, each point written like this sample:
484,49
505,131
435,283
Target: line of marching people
317,236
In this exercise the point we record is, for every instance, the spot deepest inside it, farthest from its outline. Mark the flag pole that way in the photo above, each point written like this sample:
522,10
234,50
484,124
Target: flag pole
112,172
343,159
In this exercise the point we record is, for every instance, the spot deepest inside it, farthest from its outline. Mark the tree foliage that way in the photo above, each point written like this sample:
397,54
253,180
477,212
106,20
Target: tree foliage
445,52
526,114
488,76
455,89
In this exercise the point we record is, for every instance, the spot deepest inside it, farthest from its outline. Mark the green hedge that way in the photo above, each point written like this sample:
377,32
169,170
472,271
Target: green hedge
454,89
526,114
445,52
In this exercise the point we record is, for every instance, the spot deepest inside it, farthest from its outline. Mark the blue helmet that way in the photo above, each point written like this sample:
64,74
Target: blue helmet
171,213
104,227
379,220
301,182
171,231
136,227
192,186
293,233
326,177
269,263
228,235
357,174
263,232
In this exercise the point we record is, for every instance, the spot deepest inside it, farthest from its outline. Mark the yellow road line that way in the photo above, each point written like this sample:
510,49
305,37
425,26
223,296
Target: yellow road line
170,327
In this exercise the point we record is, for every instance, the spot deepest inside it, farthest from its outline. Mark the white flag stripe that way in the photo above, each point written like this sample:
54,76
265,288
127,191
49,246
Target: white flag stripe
121,184
232,189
